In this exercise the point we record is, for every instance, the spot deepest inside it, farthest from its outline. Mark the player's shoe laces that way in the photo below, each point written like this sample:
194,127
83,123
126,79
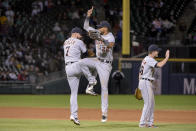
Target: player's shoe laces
89,90
75,120
104,118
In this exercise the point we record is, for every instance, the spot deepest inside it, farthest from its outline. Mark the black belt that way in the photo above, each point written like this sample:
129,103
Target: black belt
105,61
147,79
69,63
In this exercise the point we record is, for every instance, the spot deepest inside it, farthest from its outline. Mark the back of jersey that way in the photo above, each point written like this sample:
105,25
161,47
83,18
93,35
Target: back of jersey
72,49
147,68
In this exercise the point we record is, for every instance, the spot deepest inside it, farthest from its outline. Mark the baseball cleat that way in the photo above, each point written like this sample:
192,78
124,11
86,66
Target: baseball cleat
104,118
89,90
94,82
75,120
152,126
142,126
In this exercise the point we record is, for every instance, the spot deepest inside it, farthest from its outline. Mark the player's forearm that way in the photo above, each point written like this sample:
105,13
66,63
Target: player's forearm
86,24
139,77
162,63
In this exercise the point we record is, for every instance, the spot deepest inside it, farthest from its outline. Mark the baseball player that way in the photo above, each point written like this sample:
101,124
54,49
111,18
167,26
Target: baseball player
73,47
145,84
104,41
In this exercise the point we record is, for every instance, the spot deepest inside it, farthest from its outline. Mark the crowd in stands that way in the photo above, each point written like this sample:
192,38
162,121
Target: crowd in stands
191,33
155,20
21,56
32,32
162,24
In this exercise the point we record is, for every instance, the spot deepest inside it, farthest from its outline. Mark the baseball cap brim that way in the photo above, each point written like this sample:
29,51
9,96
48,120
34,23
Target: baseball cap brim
99,26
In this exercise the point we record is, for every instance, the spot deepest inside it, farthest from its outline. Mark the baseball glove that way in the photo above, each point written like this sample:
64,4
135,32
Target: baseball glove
138,94
95,35
91,53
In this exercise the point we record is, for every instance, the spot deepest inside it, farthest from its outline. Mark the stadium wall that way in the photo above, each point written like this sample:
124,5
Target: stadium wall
167,82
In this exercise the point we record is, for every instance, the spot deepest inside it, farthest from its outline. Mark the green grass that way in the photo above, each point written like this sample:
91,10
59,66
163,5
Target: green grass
61,125
166,102
163,102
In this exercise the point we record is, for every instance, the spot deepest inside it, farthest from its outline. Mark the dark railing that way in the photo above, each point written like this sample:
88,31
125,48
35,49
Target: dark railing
16,87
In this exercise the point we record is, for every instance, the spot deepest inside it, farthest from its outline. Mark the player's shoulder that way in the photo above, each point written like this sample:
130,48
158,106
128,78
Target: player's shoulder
111,37
66,41
80,41
77,41
148,58
70,39
110,34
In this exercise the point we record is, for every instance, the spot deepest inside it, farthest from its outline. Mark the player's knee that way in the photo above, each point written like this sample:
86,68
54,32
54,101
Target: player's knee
104,89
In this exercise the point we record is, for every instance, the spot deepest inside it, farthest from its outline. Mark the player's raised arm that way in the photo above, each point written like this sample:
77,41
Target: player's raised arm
163,62
86,22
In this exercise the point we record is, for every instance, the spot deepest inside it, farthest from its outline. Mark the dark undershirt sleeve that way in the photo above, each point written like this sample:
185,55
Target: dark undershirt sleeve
85,54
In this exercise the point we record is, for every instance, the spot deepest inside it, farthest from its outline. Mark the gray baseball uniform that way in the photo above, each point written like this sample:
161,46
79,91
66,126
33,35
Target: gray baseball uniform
145,85
72,53
102,64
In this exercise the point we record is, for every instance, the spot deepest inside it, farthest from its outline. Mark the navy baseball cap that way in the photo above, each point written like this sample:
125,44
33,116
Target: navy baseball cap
154,48
76,30
104,24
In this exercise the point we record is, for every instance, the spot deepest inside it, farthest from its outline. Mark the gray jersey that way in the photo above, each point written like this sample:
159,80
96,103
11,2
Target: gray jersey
72,49
147,68
102,51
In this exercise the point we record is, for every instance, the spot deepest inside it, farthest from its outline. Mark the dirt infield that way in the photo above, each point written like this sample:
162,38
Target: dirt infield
95,114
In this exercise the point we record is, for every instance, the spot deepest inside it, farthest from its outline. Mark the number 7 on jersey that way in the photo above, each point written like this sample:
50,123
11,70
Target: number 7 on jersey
67,52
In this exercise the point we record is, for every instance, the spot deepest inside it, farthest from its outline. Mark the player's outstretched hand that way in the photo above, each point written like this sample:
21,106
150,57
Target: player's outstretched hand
167,54
89,12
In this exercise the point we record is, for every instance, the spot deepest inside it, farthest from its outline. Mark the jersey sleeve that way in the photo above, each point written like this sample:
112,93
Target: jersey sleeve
90,28
111,39
151,62
83,47
86,25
